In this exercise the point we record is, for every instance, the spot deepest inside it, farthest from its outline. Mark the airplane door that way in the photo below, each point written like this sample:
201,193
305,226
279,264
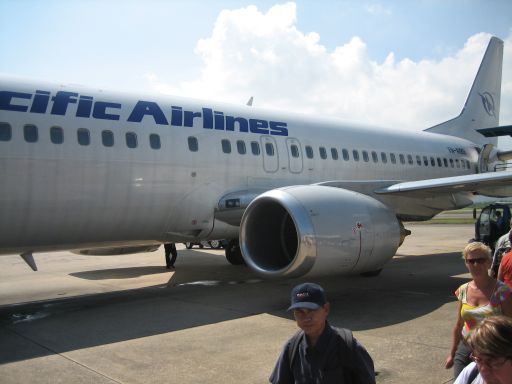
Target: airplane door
484,225
294,155
270,154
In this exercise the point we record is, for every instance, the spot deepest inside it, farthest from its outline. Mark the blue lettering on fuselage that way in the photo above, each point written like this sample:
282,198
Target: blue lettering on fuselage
64,103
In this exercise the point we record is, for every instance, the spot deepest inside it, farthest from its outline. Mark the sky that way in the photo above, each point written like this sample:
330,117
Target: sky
397,64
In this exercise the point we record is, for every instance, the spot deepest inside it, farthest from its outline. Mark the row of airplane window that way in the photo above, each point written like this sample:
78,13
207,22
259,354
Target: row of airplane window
31,135
83,136
356,154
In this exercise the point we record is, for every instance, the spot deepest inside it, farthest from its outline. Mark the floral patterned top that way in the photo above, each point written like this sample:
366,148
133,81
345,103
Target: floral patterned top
474,315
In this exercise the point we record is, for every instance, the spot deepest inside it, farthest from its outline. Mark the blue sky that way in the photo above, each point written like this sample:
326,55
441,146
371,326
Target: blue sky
282,53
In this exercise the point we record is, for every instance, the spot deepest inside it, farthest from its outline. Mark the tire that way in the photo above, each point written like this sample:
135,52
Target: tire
234,253
215,244
189,245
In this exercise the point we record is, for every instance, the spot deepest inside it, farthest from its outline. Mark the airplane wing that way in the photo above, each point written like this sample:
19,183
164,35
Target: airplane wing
497,184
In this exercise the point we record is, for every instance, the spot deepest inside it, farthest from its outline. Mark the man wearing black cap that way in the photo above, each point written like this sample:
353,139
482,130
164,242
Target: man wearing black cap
320,353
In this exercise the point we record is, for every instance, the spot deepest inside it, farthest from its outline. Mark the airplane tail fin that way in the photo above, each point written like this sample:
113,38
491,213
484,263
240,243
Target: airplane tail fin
482,108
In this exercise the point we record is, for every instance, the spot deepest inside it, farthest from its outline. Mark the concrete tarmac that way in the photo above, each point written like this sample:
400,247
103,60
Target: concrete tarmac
126,319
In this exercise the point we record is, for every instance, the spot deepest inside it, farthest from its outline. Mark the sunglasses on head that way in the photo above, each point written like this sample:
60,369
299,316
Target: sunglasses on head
478,260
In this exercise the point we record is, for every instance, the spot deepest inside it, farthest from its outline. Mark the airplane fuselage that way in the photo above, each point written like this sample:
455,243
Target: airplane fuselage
83,168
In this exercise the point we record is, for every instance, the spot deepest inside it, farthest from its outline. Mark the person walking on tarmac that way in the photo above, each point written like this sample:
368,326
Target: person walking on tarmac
319,352
170,248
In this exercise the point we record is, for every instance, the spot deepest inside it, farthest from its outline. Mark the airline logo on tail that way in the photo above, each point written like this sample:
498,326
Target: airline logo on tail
488,103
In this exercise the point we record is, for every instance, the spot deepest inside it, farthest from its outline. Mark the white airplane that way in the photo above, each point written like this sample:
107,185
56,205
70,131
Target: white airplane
88,170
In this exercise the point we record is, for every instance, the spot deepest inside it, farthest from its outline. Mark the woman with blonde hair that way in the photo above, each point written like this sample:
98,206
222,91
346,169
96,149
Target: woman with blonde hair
491,345
480,298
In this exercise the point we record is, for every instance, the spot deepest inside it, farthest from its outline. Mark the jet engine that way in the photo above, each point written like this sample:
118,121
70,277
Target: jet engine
312,229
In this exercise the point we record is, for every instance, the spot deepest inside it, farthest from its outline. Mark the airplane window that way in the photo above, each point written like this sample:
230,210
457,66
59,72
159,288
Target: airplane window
30,133
83,136
402,158
418,159
432,162
294,150
384,157
107,138
439,163
131,139
409,159
269,148
345,154
451,163
226,146
193,145
375,158
393,158
309,152
334,153
457,163
365,156
5,132
154,141
56,135
255,148
240,146
323,153
425,161
355,154
445,162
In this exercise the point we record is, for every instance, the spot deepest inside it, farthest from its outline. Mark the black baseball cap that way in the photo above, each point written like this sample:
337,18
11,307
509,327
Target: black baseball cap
307,295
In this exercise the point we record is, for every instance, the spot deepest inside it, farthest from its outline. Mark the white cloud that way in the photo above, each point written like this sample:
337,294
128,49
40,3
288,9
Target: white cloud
250,53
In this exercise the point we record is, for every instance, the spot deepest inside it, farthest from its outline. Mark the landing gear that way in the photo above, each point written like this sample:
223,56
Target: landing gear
215,244
234,254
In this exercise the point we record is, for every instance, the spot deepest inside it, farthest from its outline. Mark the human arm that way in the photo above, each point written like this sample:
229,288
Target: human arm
282,373
506,306
500,274
364,364
456,336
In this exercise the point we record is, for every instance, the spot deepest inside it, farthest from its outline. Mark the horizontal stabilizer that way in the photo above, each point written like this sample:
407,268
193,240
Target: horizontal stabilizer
505,130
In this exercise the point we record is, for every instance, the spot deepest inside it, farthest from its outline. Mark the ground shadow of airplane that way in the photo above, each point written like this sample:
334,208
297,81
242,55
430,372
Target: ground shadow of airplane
419,284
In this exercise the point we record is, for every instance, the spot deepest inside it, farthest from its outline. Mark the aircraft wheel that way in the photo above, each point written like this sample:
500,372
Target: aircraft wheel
215,244
188,245
234,254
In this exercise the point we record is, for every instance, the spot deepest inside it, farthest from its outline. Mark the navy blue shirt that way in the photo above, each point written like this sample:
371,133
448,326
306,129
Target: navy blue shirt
324,363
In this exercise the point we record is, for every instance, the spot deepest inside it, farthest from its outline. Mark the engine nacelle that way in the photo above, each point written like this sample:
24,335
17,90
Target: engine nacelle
310,229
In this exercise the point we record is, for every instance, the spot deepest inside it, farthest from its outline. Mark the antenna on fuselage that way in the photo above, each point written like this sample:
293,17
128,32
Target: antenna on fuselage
29,259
